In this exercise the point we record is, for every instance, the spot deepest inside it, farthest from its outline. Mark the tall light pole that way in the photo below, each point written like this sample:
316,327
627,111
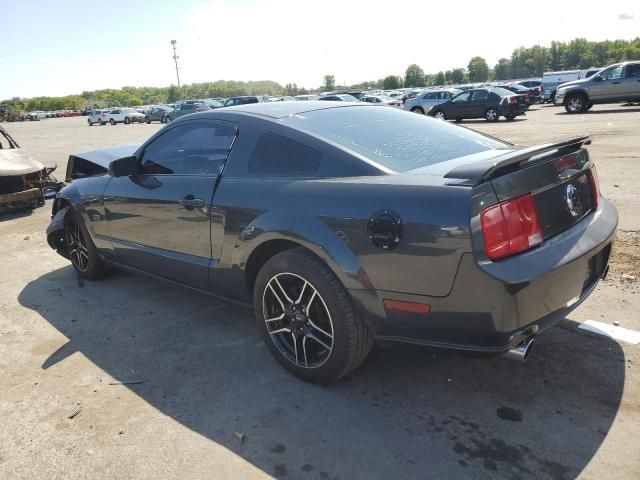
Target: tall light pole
175,59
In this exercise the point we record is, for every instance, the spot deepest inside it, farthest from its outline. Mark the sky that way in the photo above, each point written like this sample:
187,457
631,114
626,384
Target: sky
64,47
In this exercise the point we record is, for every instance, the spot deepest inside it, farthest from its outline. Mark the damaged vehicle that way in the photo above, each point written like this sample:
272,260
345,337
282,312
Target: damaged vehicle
343,223
24,182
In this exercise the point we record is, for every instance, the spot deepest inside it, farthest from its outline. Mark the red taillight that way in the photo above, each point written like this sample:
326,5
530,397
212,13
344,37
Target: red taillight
595,186
510,227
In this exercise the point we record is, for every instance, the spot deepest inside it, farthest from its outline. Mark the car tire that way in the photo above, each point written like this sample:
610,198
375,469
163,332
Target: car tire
147,120
509,117
81,250
491,114
589,106
127,120
440,115
419,110
458,120
306,318
575,103
112,121
90,123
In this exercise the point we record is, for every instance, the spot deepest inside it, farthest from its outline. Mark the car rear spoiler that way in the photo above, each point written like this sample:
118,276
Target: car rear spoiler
487,169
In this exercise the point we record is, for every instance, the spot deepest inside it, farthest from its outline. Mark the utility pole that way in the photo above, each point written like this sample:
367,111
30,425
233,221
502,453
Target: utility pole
175,59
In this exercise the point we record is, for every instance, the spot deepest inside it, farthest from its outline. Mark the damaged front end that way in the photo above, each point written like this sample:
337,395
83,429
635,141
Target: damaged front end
24,182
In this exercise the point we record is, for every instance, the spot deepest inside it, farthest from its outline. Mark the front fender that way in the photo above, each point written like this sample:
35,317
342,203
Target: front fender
55,232
309,232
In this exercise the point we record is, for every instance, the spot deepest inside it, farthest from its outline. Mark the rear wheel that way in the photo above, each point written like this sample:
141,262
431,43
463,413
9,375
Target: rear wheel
439,114
419,110
127,121
90,122
306,318
491,115
575,103
112,121
81,250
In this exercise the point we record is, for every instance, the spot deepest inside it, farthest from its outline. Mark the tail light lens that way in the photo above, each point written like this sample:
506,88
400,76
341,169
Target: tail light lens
595,186
510,227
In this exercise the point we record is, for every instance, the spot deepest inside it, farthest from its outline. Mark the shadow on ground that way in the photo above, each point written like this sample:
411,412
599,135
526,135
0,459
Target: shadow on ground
407,413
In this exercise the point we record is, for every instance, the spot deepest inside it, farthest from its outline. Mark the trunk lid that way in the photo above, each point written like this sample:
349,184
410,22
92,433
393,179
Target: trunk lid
558,176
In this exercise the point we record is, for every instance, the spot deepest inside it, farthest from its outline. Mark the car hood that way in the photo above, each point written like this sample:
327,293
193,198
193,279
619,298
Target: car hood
16,161
105,156
574,83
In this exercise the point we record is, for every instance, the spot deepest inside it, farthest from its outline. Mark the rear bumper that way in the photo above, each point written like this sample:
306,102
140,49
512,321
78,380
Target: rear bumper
513,110
494,307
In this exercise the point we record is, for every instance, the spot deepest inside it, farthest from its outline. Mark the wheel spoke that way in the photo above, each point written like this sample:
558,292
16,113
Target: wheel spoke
304,287
313,296
280,330
304,350
277,297
319,329
295,346
275,279
312,336
275,319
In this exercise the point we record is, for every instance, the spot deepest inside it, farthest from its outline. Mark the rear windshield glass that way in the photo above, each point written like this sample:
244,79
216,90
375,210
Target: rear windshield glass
398,140
503,92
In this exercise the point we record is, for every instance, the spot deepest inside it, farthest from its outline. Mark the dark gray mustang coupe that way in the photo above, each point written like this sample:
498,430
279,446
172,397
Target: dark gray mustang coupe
345,223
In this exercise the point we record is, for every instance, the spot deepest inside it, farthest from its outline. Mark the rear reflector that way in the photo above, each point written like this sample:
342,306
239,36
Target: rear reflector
407,307
510,227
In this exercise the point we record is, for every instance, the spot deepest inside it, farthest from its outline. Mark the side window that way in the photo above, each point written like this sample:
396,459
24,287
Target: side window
633,70
462,97
612,73
429,96
278,156
480,95
189,149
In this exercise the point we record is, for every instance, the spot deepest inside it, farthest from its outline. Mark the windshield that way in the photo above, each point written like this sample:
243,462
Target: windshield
503,92
398,140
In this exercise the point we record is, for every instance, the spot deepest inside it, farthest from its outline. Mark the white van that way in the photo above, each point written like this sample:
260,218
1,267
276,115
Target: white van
551,80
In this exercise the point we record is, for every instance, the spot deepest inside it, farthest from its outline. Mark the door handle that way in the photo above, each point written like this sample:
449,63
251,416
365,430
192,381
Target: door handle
190,202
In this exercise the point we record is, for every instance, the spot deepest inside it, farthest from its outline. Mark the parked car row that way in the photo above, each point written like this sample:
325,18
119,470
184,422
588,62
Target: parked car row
114,116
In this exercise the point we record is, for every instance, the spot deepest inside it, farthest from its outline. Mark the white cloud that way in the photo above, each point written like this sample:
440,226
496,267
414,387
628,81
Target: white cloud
626,16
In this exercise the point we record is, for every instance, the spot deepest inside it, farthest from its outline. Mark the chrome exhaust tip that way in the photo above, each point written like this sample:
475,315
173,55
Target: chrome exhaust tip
521,352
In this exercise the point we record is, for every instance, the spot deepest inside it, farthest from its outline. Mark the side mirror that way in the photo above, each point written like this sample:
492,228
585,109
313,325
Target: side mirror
123,167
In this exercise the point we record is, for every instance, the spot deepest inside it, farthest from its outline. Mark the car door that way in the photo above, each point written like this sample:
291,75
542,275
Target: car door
459,106
478,103
607,85
631,82
159,219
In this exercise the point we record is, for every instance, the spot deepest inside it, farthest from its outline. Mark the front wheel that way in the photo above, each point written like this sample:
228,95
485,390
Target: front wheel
491,115
306,318
127,120
90,123
419,110
439,114
112,122
148,120
575,103
81,250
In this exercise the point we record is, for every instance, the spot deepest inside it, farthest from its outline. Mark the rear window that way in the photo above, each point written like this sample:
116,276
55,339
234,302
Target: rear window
503,92
398,140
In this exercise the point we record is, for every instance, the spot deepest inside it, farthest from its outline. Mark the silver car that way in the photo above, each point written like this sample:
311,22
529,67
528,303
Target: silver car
423,101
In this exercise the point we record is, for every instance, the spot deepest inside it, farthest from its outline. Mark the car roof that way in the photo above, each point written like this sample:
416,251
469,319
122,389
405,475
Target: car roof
287,108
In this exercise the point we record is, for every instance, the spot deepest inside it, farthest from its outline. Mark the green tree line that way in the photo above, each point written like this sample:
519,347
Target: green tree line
523,62
579,53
